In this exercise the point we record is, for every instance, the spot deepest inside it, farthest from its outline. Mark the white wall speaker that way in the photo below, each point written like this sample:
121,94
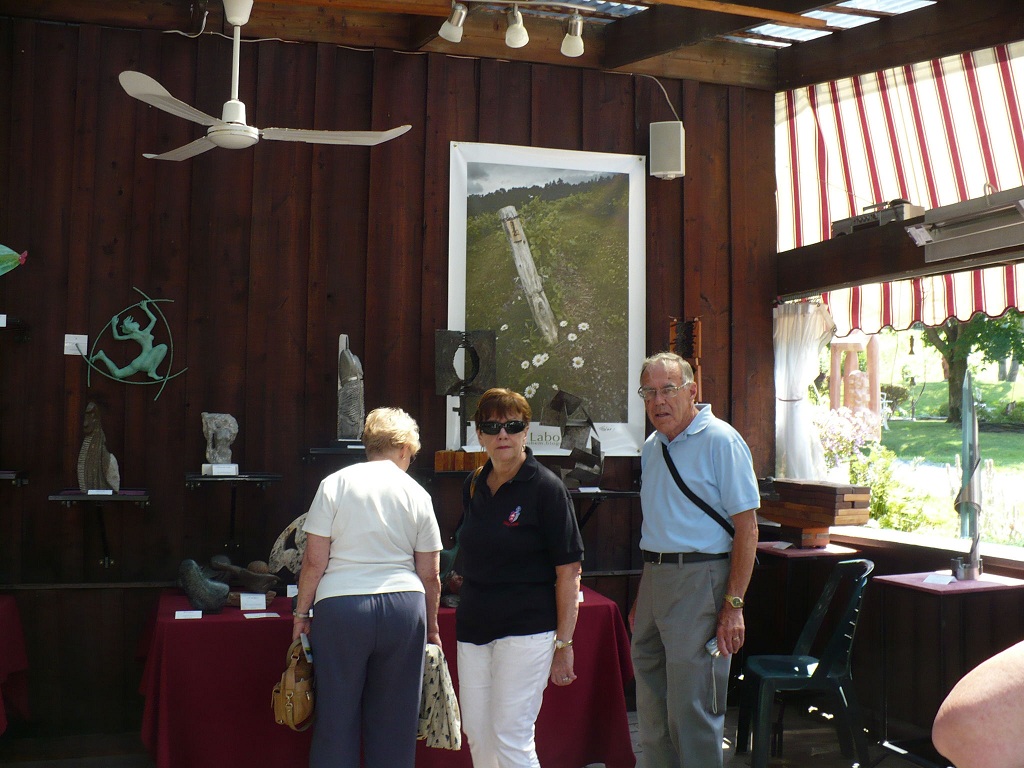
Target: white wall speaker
668,150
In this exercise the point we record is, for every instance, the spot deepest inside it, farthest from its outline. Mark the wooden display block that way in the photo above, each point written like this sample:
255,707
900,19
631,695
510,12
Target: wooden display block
459,461
820,505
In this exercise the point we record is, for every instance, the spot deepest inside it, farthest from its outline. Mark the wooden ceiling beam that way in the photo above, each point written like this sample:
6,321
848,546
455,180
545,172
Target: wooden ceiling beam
871,255
133,14
713,62
736,9
943,29
437,8
664,29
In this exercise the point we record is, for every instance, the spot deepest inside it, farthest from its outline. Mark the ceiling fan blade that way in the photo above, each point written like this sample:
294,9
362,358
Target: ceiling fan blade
145,88
192,149
364,138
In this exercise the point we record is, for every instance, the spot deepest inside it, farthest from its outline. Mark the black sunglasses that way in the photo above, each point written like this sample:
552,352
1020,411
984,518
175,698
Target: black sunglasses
513,427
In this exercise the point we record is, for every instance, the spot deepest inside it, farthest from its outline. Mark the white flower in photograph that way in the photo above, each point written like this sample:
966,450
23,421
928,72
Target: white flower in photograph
584,326
504,327
563,324
572,337
525,364
539,359
577,362
554,387
530,391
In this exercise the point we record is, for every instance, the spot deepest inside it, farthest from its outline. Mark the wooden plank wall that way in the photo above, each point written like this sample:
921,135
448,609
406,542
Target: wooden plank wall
265,256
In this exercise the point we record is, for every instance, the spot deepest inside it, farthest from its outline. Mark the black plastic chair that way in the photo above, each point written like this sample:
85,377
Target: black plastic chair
766,676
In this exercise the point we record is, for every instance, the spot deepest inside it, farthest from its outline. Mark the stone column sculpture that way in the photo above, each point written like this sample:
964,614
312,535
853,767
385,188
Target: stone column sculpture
351,410
97,467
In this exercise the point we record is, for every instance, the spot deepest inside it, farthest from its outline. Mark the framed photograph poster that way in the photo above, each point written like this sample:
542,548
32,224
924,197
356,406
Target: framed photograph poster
547,249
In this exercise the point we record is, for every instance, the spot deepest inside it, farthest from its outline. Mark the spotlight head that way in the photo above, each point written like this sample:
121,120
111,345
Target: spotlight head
516,35
572,43
451,30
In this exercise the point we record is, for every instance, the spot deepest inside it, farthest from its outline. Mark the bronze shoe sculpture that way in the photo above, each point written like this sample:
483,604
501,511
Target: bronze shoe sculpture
204,594
236,575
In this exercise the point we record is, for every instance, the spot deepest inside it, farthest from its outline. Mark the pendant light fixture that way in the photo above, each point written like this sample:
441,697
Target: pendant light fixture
572,43
451,30
516,35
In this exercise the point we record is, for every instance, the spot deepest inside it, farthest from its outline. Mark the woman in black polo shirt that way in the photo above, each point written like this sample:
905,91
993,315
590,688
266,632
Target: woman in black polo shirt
521,554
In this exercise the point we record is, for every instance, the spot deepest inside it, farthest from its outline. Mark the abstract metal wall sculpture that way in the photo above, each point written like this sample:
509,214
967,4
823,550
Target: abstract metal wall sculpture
566,411
480,371
150,356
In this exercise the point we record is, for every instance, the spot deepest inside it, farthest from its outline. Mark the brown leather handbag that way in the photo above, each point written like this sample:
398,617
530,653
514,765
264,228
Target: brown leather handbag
293,699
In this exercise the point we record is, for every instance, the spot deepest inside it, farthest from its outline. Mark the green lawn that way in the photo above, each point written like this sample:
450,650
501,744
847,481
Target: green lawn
938,443
933,399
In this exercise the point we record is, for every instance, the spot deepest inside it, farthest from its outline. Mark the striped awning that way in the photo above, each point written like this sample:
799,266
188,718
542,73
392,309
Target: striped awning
934,133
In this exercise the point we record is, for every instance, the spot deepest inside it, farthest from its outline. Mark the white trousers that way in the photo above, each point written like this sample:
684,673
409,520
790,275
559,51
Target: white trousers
501,688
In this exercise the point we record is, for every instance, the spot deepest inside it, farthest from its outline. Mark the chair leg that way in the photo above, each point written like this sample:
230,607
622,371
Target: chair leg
762,724
777,731
748,700
854,722
844,728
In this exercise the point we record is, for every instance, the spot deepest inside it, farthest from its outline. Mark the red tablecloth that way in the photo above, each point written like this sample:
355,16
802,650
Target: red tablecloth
207,685
13,662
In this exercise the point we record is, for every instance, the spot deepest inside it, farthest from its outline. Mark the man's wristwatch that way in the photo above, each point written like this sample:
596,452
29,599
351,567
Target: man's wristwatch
560,644
734,601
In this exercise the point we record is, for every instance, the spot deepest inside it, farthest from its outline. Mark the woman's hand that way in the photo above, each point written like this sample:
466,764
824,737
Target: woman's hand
561,667
301,625
434,638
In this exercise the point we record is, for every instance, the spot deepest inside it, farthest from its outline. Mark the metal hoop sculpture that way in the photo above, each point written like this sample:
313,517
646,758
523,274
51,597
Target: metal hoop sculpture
161,380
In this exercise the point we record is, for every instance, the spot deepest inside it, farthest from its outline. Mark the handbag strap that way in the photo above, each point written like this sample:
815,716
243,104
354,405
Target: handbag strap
295,655
472,490
711,512
458,526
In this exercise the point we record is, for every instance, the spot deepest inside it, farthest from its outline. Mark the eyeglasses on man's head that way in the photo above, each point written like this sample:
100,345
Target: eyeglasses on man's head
668,392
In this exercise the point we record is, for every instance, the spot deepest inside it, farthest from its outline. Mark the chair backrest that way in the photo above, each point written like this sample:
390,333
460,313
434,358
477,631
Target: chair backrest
848,580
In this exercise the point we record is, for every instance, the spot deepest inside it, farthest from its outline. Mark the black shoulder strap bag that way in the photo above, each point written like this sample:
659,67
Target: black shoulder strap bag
713,513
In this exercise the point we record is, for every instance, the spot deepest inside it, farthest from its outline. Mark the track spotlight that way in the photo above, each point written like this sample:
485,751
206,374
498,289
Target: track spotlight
451,30
572,43
516,35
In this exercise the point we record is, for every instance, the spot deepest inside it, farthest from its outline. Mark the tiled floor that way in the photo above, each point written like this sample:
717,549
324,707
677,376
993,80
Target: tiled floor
809,741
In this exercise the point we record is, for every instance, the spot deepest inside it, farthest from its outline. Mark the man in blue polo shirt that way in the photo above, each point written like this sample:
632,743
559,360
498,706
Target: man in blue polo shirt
698,546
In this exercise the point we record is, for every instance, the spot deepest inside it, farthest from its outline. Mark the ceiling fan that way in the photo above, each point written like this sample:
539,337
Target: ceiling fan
231,131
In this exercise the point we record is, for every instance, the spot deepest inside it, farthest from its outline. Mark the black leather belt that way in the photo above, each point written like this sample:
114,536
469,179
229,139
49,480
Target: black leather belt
663,558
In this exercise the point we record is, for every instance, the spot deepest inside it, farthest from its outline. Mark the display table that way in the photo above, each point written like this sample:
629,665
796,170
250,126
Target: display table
207,686
581,723
261,480
13,662
927,609
595,496
97,501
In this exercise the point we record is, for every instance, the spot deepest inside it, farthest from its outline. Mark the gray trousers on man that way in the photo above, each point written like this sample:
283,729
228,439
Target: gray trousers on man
680,689
368,653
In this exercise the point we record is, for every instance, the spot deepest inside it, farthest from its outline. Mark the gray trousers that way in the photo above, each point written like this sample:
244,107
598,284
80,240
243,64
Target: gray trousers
368,663
680,689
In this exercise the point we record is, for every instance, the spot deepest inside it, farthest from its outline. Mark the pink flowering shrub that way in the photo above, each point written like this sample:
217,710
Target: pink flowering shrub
845,433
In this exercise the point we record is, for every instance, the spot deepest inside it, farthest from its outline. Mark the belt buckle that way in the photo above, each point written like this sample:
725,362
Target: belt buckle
658,560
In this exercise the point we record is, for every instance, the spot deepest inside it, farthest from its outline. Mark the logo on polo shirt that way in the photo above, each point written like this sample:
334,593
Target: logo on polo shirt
513,518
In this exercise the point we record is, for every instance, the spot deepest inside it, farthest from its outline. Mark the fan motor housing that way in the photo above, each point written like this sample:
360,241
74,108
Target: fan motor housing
233,136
